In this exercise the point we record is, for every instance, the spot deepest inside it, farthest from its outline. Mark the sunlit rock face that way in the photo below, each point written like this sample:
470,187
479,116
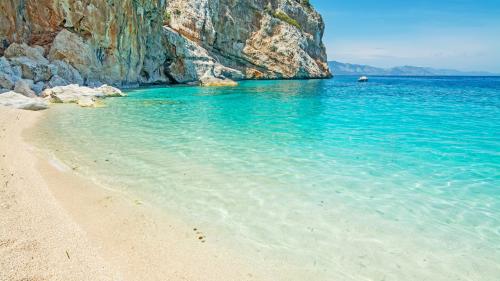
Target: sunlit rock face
260,38
133,42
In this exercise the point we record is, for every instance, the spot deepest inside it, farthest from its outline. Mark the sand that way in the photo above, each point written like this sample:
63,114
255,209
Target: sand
56,225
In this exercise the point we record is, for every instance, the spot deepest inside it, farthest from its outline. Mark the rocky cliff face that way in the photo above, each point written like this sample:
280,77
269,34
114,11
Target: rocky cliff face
132,42
110,41
259,39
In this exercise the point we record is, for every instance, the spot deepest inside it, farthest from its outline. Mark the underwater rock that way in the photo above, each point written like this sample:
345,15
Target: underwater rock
217,82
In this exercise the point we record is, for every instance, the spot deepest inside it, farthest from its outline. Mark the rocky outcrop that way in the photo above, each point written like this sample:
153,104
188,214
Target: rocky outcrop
107,41
8,74
23,86
133,42
65,74
27,71
192,63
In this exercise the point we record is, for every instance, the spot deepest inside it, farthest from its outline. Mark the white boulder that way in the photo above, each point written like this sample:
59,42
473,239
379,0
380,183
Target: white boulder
70,93
15,100
79,94
109,91
86,102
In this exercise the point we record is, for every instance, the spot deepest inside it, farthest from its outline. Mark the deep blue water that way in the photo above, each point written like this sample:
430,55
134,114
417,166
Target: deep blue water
395,179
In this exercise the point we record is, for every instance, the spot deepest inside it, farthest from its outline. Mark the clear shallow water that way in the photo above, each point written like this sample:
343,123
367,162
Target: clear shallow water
396,179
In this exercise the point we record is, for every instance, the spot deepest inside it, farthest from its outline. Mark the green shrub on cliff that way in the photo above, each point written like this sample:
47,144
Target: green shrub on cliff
286,18
306,4
166,17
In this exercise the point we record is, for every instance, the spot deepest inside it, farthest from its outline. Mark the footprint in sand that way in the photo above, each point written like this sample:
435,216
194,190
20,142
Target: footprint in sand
201,237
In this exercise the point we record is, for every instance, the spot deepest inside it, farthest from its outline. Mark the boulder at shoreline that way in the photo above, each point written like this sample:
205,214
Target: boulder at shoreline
15,100
83,96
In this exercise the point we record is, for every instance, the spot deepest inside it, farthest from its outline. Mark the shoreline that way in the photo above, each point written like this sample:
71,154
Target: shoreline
64,227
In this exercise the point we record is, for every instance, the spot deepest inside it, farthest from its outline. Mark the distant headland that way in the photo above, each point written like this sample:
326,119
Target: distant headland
339,68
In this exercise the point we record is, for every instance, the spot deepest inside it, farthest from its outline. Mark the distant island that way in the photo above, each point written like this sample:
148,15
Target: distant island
338,68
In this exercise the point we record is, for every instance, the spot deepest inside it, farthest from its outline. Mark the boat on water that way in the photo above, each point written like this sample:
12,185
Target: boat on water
363,79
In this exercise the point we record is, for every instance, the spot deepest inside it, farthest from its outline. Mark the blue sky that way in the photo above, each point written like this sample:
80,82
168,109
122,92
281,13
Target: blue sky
459,34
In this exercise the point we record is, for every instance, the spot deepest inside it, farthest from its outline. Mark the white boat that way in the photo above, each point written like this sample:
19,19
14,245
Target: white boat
363,79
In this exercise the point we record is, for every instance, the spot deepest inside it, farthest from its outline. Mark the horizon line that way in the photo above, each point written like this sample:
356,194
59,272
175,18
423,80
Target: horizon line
408,65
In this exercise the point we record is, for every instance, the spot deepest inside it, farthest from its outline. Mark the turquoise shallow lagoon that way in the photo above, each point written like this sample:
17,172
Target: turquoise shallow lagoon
395,179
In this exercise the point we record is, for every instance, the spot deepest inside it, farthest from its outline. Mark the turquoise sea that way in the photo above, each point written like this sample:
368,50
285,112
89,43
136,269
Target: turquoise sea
395,179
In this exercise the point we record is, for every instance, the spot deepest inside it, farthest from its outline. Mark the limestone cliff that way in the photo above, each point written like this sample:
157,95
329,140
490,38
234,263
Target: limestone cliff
260,39
132,42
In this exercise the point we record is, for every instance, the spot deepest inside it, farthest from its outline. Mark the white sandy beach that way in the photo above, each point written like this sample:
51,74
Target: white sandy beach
56,225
